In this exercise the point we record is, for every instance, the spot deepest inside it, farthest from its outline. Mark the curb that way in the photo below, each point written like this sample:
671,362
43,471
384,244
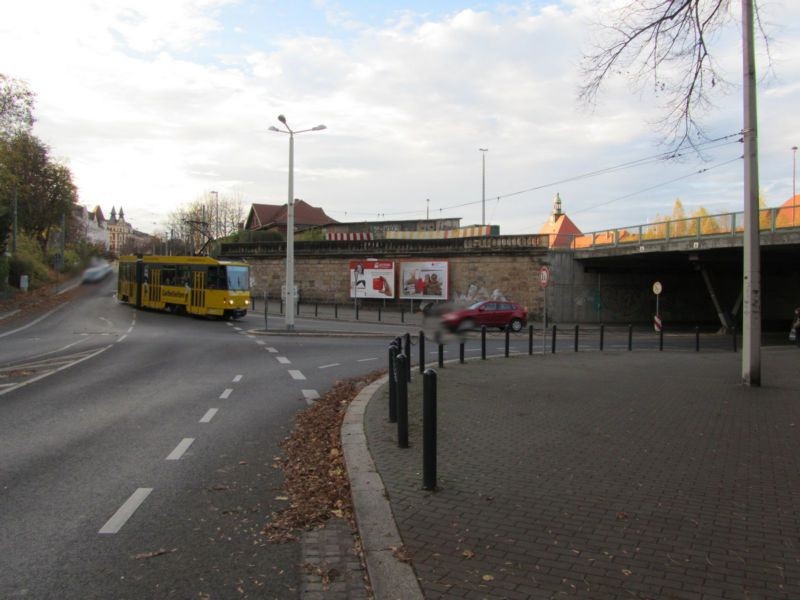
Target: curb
390,578
320,333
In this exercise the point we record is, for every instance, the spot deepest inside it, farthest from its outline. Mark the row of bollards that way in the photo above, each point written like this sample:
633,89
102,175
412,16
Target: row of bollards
399,377
356,310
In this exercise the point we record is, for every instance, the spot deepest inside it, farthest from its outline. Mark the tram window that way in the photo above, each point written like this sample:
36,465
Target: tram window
214,281
168,277
183,276
238,278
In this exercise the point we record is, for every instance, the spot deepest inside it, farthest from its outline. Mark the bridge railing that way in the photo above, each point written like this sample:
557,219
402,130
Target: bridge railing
702,226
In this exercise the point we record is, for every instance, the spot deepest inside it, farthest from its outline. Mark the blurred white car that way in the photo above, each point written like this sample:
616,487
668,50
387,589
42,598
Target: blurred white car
97,271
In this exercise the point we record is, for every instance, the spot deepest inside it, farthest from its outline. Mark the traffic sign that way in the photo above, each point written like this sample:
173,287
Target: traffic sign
544,276
657,287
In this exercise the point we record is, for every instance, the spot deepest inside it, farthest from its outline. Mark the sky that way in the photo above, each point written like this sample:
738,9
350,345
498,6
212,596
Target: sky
155,103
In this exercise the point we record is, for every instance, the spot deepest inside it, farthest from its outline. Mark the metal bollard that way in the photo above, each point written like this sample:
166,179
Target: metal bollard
379,313
576,338
298,308
402,315
461,352
429,430
530,340
441,356
553,349
392,383
316,309
266,306
661,339
630,337
356,310
508,340
402,403
421,351
281,310
407,337
697,339
733,335
483,342
602,335
335,311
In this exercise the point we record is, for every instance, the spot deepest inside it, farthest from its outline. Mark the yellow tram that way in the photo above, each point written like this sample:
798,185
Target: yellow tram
197,285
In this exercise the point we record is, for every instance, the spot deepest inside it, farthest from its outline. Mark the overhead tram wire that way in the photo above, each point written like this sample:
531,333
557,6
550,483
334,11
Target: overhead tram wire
671,155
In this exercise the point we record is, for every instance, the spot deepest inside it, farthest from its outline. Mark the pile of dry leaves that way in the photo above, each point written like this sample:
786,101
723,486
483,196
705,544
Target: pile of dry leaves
316,482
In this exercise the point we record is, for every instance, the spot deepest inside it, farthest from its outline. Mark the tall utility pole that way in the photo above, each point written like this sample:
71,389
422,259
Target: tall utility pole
483,152
751,314
794,178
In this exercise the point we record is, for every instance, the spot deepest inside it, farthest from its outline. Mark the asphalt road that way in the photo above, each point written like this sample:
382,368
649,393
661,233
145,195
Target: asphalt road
137,450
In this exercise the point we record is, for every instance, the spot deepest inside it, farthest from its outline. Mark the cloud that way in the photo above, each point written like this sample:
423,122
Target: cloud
156,103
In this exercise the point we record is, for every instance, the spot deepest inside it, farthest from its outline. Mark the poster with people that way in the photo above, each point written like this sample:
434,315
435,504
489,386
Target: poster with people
424,280
372,279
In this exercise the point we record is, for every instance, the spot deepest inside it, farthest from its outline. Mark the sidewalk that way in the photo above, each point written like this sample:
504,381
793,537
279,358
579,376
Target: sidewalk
601,475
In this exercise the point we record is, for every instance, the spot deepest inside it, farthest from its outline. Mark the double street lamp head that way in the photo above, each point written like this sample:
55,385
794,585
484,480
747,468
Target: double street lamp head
290,131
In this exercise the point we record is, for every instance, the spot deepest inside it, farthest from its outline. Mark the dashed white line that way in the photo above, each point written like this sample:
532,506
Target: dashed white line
209,415
283,360
130,328
180,449
273,350
296,374
238,328
261,342
330,365
237,379
115,523
122,338
310,396
367,359
226,393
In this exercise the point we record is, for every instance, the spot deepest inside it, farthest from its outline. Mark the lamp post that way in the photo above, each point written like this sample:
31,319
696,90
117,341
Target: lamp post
794,178
216,213
483,152
290,220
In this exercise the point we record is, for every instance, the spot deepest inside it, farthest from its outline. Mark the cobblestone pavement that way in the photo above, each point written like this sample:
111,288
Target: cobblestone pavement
331,569
605,475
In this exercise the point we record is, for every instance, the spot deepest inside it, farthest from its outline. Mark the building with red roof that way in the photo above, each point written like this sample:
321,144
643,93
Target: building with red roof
274,216
559,227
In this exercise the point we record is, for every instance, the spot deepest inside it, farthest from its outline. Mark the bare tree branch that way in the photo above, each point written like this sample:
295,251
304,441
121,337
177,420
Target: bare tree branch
667,42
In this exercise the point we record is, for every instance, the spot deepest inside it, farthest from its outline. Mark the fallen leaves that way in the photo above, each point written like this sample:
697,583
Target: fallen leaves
401,553
316,482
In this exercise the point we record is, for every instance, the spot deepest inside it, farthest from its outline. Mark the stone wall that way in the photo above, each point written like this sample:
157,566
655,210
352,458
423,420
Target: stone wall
326,279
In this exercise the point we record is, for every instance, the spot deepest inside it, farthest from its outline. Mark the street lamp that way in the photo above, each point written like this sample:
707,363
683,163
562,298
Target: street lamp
794,177
290,220
216,213
483,152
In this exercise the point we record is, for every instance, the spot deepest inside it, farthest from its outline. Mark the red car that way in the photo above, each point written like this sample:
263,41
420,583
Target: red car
492,313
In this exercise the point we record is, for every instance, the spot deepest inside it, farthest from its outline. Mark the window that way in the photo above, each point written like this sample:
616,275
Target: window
238,278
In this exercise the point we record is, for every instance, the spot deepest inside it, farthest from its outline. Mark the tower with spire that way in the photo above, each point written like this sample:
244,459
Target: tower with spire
559,227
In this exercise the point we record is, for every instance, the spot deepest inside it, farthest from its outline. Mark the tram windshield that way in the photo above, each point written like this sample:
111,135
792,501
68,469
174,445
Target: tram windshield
238,278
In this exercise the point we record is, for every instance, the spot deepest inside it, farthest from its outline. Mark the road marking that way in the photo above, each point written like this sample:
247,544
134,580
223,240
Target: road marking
130,328
182,447
238,328
237,379
125,512
273,350
261,342
283,360
367,359
224,395
44,316
61,368
310,396
296,374
330,365
209,415
122,338
229,324
107,321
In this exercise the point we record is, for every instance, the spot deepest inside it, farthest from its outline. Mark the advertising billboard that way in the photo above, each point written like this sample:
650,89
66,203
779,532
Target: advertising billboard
424,280
372,279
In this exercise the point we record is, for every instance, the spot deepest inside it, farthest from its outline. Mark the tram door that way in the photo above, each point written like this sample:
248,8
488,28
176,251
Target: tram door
197,300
